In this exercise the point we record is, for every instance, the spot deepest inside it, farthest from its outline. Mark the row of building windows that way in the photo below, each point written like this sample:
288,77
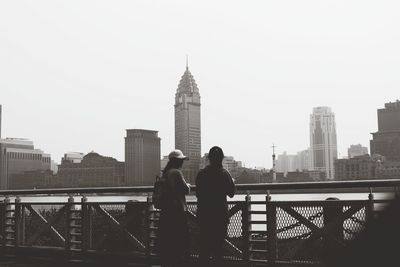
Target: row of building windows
28,156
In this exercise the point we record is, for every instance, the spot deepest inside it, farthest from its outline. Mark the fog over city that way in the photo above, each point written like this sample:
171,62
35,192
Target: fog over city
75,74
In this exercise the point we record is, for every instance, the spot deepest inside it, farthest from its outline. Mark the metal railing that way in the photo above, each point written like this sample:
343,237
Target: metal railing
260,231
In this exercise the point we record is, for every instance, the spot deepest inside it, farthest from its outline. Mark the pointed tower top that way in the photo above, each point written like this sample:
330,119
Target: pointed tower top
187,62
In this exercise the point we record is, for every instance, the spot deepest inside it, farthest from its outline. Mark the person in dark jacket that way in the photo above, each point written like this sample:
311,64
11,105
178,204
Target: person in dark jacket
173,229
213,185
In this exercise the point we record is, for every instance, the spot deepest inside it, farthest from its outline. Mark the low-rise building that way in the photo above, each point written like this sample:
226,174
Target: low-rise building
94,170
356,168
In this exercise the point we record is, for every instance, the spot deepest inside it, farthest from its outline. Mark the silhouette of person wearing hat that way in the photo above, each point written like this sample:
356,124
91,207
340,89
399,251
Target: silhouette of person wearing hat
173,229
213,185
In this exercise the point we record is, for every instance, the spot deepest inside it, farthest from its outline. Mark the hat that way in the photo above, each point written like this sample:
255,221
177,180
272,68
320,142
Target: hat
177,154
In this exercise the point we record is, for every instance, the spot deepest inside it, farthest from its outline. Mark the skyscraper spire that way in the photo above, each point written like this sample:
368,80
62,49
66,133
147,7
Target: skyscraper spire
188,122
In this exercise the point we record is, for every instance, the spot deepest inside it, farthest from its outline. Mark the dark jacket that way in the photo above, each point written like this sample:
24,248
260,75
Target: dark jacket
173,232
213,185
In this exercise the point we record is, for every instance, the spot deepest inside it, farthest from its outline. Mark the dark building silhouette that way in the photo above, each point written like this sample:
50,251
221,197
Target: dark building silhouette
188,124
93,171
386,141
142,157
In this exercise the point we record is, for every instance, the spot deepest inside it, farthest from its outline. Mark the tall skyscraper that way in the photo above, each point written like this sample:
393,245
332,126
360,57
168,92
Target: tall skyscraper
323,143
386,141
188,124
142,157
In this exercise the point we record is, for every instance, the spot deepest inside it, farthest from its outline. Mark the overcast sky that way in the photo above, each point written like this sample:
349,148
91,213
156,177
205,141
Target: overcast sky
75,74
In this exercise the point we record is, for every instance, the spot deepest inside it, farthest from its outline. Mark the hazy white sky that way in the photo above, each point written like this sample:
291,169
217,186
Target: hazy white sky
75,74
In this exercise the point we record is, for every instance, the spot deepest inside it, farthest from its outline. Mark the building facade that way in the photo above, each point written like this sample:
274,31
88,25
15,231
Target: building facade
93,170
293,163
386,141
286,163
188,124
142,157
74,157
19,156
356,168
323,142
357,150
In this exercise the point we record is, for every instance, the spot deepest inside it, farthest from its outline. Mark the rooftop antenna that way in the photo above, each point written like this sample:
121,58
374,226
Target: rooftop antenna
187,62
273,164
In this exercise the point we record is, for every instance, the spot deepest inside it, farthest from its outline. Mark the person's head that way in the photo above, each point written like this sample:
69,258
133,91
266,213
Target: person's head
175,160
216,156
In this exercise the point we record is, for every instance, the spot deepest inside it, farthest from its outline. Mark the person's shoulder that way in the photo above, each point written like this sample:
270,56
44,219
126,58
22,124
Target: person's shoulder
225,172
175,172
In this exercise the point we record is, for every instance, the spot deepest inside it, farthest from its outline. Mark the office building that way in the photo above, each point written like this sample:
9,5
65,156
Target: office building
19,156
355,168
188,124
323,143
73,157
93,170
386,141
142,157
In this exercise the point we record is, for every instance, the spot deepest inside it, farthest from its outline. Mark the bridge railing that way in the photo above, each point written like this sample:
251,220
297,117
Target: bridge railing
262,231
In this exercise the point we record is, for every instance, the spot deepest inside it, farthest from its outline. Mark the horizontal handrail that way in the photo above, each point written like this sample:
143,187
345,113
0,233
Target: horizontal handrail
239,187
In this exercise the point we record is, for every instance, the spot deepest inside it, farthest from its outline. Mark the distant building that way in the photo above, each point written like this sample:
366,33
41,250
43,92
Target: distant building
286,163
388,170
367,167
323,143
53,166
18,156
357,150
142,157
355,168
386,141
293,163
93,170
38,179
73,157
303,160
229,163
188,124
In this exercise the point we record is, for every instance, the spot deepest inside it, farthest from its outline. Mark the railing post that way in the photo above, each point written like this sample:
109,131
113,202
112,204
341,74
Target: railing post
86,224
369,216
246,218
70,221
9,224
331,213
18,222
149,203
271,230
2,221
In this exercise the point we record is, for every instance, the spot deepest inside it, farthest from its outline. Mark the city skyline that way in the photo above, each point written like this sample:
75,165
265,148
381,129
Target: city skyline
75,76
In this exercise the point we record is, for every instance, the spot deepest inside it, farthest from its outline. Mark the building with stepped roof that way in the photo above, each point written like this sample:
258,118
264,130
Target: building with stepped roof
188,123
